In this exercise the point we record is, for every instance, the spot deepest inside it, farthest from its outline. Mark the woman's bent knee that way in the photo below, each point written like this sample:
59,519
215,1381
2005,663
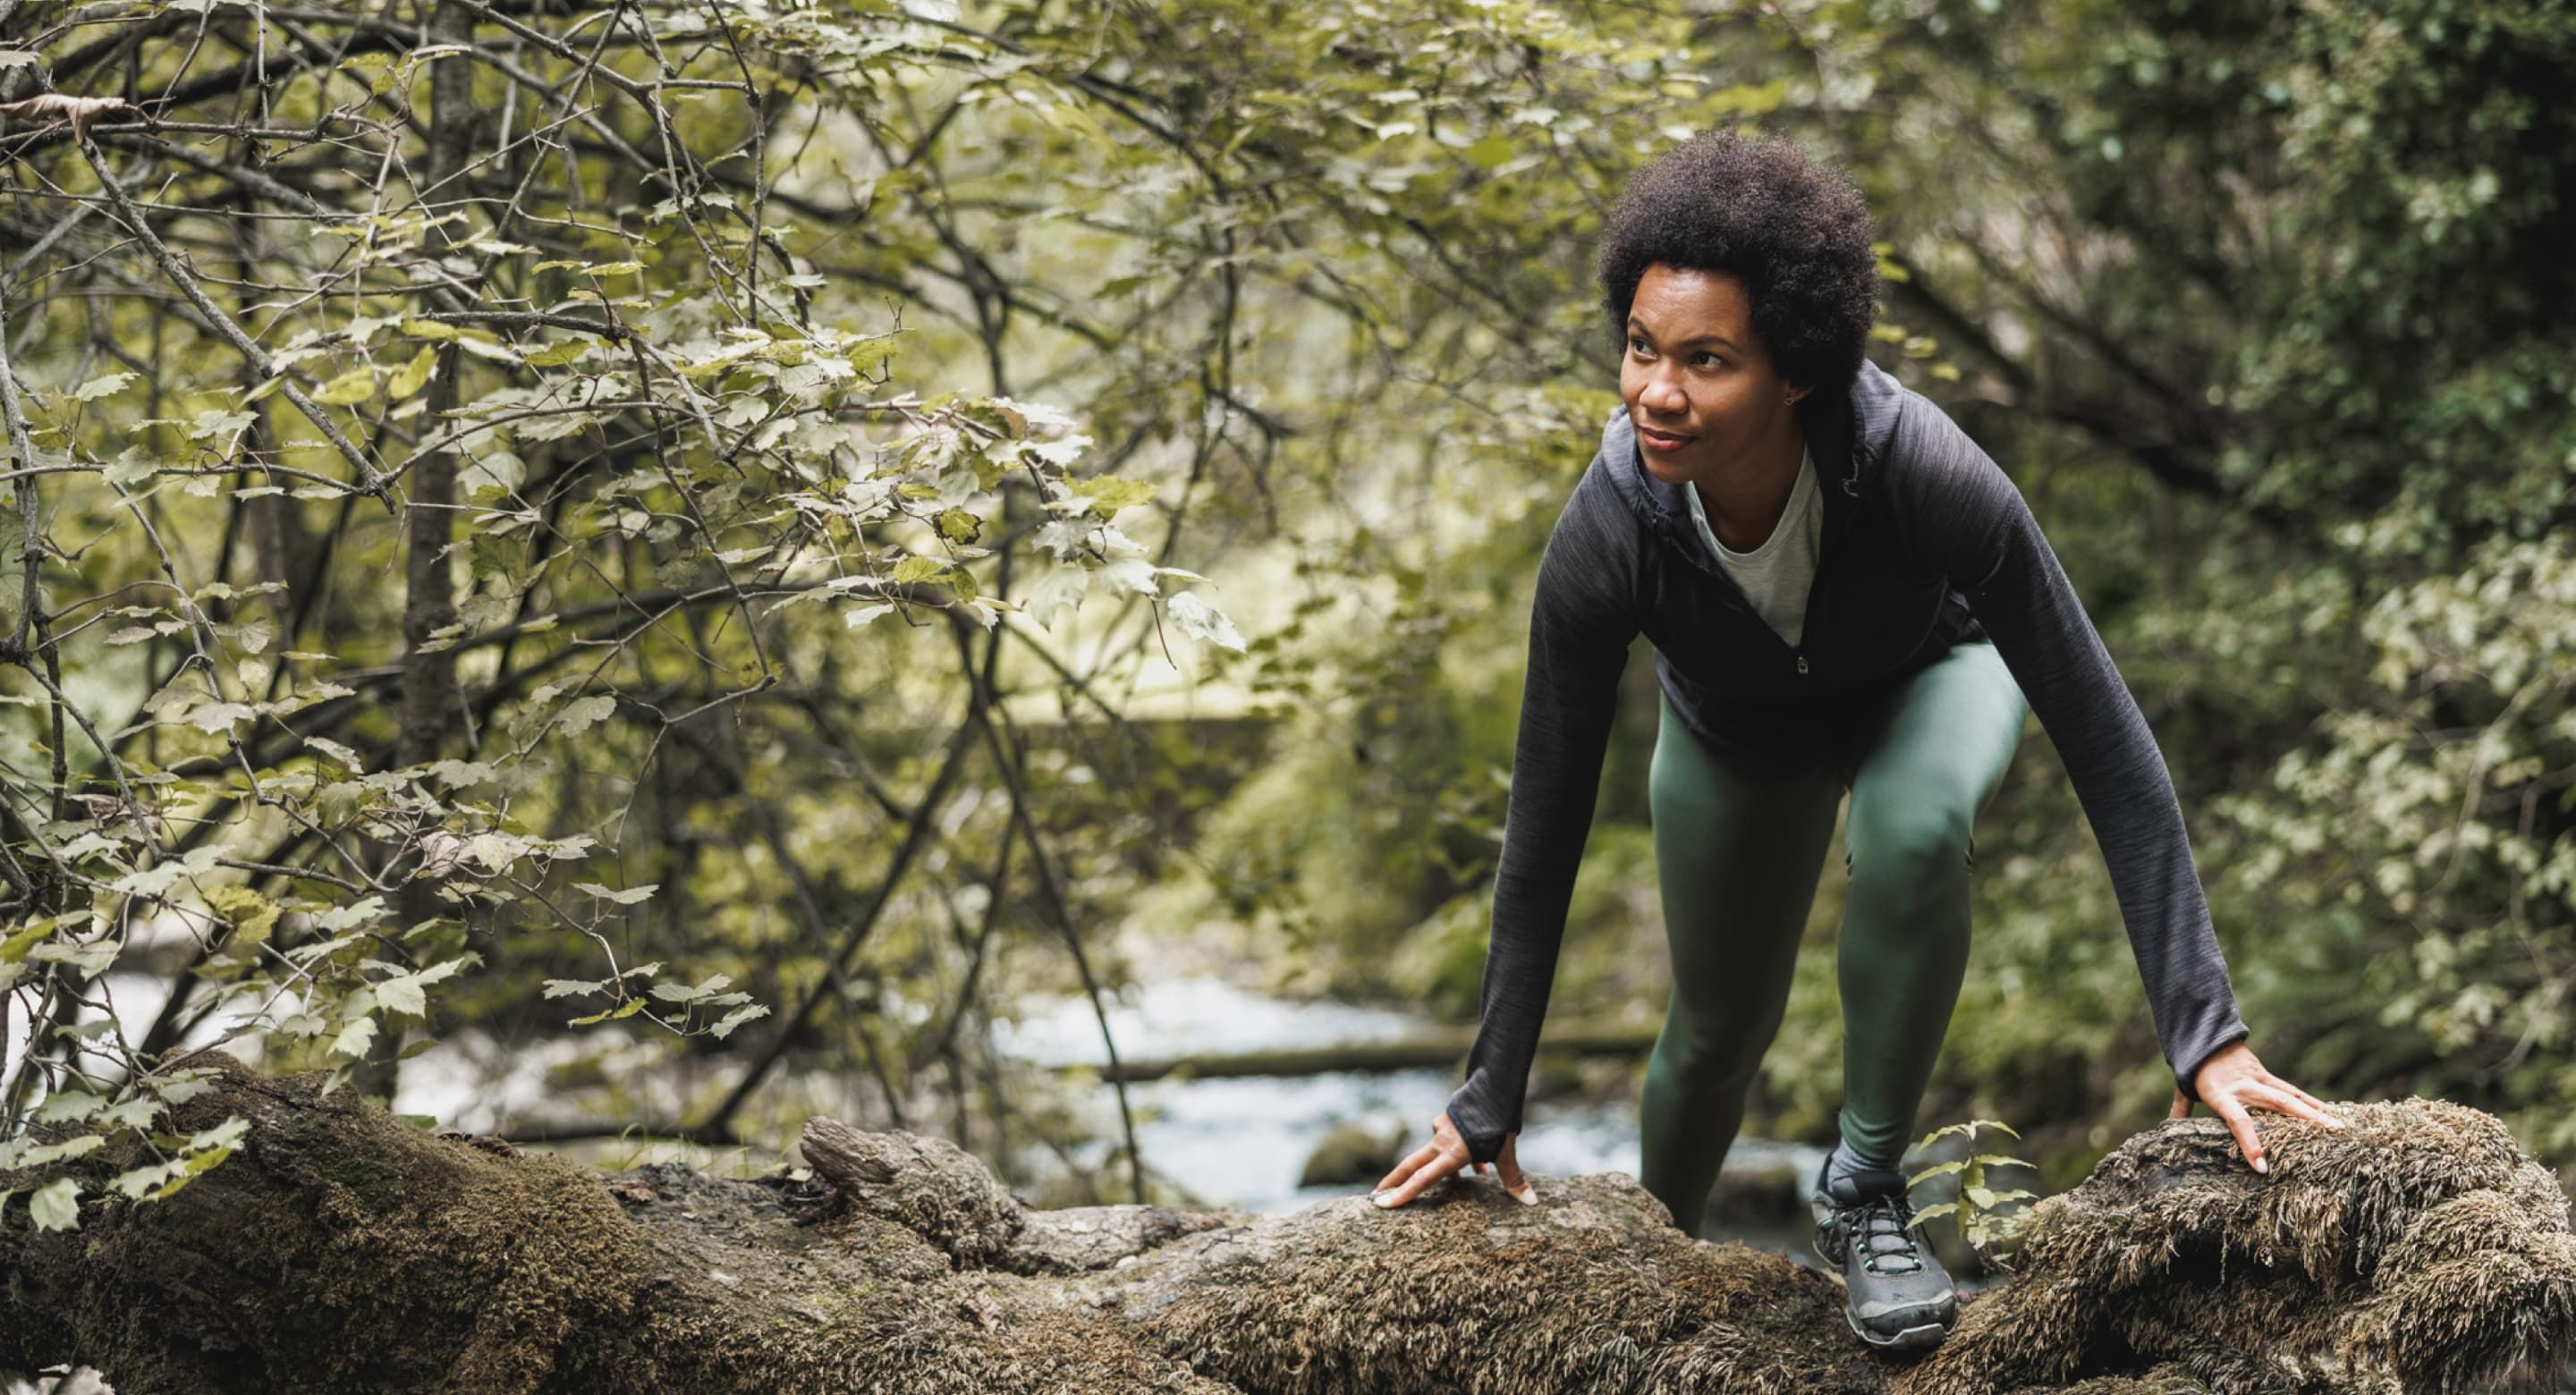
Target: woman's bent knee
1916,846
1710,1059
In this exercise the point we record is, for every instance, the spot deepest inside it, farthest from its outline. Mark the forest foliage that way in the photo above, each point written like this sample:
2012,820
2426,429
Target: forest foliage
794,525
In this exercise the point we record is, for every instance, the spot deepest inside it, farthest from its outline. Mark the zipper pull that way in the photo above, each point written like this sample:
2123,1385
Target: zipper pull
1802,663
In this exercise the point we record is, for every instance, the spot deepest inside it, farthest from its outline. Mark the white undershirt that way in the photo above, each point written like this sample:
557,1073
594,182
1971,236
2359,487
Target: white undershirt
1776,575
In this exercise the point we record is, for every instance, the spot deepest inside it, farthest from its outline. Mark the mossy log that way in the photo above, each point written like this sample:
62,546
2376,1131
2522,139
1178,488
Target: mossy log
1434,1048
345,1250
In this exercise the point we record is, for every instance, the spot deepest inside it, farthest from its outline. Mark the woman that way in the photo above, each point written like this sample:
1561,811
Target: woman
1843,592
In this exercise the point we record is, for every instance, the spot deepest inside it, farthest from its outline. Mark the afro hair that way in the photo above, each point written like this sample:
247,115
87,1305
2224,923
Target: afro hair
1794,229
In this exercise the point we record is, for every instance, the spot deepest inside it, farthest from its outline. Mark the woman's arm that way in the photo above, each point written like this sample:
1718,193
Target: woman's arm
1965,514
1581,623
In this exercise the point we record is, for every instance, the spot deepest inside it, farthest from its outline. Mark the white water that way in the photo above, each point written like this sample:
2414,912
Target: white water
1244,1142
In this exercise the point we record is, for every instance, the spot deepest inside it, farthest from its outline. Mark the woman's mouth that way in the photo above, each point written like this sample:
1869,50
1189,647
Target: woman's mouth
1652,439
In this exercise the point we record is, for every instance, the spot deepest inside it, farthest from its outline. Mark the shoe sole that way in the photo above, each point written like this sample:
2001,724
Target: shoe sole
1928,1335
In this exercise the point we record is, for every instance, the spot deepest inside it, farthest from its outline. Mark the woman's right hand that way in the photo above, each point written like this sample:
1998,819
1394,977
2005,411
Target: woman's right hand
1444,1154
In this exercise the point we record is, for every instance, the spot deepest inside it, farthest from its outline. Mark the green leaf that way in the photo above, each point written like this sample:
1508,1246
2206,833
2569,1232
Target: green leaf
1201,621
350,388
193,1166
735,1019
915,569
142,1179
557,355
413,376
68,1105
1108,493
630,896
960,527
624,1010
20,941
463,774
582,714
219,717
55,1205
179,1087
402,993
674,993
252,914
91,958
355,1038
107,386
137,634
136,1113
566,987
223,1135
366,910
79,1145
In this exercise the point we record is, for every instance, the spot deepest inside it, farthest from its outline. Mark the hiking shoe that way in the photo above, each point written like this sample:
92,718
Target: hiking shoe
1898,1298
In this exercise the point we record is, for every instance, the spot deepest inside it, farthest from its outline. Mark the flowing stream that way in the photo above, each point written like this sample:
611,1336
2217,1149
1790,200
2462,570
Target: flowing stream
1243,1142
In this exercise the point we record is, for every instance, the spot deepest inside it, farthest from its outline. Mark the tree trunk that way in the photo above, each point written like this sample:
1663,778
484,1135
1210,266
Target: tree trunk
1440,1048
429,511
345,1250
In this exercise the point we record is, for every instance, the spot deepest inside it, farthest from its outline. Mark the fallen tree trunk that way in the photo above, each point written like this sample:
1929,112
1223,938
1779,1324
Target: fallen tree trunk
1441,1047
345,1250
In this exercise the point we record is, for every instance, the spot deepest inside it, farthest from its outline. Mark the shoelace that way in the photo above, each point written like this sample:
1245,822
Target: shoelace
1868,1231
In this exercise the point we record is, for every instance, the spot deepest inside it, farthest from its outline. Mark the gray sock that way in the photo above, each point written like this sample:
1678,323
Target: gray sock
1845,1162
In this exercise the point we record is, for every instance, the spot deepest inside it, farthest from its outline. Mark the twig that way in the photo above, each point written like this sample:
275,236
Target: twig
370,480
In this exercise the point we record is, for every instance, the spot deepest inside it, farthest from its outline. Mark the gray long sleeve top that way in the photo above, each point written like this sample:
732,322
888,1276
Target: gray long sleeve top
1926,543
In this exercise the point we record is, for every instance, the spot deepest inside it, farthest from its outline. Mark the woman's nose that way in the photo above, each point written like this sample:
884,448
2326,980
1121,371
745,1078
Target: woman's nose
1664,395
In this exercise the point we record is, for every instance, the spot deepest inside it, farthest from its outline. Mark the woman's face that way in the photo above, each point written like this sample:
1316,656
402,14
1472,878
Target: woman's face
1698,383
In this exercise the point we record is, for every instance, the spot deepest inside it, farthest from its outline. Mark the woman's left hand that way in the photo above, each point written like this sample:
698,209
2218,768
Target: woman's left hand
2233,1084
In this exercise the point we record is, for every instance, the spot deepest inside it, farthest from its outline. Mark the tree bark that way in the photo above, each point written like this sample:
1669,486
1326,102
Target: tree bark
429,511
345,1250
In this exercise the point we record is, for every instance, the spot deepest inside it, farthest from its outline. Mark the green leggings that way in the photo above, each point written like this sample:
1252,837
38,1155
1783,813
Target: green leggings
1737,857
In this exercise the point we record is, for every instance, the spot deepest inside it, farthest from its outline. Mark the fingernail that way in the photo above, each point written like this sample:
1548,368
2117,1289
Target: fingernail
2263,1165
1380,1198
1528,1195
